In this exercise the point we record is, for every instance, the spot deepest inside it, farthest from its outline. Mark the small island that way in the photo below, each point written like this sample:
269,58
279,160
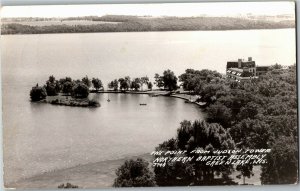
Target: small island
66,92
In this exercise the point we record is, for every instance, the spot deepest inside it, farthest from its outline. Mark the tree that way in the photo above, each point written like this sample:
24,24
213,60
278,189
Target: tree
67,87
191,136
209,92
252,133
219,113
134,173
192,77
97,83
250,110
136,84
276,66
52,86
124,83
86,81
150,86
63,80
144,80
174,173
170,80
282,162
246,170
114,85
80,90
51,79
37,93
203,135
158,81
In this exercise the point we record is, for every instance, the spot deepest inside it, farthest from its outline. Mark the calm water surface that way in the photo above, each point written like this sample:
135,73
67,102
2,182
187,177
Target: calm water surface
40,137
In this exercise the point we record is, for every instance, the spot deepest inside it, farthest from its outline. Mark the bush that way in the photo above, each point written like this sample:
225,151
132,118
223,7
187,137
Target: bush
134,173
37,93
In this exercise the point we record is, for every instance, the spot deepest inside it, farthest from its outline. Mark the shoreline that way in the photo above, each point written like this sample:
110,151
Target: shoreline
208,30
91,175
156,93
97,175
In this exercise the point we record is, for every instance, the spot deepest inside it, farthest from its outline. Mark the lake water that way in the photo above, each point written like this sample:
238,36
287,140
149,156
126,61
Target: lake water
39,138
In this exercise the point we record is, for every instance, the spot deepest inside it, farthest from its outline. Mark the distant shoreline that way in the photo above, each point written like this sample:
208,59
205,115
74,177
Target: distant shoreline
121,23
211,30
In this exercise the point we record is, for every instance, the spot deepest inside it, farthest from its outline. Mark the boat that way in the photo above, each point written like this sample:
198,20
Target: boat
143,104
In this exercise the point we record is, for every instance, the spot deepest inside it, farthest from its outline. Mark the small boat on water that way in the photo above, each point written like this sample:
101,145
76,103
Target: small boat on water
143,104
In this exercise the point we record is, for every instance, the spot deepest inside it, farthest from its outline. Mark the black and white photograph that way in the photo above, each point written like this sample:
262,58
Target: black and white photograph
149,95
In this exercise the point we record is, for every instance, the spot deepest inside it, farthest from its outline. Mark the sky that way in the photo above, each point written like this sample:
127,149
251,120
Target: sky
167,9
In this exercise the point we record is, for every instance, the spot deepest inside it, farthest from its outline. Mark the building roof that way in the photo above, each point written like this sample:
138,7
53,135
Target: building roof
235,64
239,72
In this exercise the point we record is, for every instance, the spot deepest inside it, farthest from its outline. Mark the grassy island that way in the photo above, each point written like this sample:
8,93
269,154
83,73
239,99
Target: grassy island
66,92
70,101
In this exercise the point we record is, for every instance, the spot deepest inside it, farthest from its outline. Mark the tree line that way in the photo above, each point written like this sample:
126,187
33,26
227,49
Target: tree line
261,113
136,24
167,81
126,83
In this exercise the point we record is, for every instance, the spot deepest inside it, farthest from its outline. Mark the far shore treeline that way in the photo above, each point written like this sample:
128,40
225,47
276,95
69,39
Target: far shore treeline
121,23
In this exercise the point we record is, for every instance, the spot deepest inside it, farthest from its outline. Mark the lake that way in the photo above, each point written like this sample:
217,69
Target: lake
39,138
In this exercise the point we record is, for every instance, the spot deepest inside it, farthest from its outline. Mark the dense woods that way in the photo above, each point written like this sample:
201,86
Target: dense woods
261,113
119,23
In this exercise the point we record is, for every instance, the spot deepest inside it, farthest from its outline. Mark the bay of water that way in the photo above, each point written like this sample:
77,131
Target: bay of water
39,137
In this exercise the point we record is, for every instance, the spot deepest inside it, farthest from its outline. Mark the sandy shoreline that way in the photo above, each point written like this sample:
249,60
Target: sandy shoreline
93,175
96,175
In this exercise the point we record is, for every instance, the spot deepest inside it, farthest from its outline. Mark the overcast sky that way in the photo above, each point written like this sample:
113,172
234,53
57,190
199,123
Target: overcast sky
175,9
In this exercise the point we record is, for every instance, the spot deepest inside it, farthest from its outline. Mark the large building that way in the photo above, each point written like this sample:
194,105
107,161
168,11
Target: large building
242,70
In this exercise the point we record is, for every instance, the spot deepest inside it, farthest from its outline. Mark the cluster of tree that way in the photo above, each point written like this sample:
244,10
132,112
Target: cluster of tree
194,80
67,86
124,84
190,136
167,81
67,186
134,23
257,113
261,113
